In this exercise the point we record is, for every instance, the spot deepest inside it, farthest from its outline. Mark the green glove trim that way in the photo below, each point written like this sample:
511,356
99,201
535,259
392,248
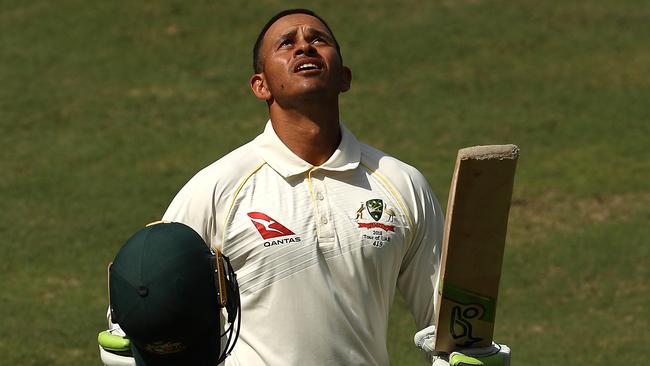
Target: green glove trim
462,360
462,296
459,359
112,342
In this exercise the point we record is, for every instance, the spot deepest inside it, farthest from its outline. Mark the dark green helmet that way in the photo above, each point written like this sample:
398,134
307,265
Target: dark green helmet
165,294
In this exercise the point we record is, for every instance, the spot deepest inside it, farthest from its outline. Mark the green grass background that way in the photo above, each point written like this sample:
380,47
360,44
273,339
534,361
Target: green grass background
108,107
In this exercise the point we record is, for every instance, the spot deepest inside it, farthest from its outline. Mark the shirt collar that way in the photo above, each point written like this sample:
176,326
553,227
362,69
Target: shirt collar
287,164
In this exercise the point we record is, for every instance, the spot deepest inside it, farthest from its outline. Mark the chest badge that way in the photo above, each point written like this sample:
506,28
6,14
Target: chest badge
376,232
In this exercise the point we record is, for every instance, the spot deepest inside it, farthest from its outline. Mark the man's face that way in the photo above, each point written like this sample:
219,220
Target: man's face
300,59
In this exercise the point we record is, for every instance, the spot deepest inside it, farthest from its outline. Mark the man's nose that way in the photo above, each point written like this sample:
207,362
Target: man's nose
304,48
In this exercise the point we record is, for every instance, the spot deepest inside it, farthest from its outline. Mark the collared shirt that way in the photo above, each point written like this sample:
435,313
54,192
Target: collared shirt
318,250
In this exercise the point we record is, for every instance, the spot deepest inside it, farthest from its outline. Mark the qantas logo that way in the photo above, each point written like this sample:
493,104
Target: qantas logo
268,227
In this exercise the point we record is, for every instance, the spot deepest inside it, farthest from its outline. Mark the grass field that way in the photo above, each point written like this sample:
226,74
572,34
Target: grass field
108,107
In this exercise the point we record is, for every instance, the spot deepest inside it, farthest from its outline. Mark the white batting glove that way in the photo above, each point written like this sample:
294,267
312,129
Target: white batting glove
113,359
425,339
494,355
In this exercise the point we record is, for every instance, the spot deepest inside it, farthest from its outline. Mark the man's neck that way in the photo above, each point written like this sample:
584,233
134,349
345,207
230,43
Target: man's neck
312,135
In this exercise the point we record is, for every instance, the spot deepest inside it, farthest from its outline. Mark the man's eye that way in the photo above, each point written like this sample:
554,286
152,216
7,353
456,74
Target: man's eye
285,43
318,40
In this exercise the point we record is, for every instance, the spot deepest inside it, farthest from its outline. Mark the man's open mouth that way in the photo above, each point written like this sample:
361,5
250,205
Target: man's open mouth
305,66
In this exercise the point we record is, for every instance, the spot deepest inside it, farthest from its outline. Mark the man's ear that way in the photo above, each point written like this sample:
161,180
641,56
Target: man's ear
258,85
346,79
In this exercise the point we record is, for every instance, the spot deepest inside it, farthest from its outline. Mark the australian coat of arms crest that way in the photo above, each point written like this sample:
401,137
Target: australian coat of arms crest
377,231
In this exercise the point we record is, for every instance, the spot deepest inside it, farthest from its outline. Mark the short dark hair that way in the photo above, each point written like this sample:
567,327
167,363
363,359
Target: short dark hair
258,62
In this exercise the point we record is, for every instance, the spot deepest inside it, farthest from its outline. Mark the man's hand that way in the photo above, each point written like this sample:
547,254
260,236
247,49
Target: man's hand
425,339
494,355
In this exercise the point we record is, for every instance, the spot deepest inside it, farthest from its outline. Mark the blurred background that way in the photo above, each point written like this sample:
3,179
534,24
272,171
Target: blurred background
108,107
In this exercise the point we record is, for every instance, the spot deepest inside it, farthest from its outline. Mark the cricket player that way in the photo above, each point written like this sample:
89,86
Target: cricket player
320,228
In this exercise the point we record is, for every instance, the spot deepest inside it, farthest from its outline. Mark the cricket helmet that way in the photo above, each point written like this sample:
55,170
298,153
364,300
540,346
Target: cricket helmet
168,292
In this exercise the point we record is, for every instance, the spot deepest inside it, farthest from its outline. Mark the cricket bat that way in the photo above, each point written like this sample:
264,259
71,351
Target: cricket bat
473,243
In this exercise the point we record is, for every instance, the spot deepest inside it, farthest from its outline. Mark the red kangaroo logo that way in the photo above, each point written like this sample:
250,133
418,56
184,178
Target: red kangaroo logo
268,227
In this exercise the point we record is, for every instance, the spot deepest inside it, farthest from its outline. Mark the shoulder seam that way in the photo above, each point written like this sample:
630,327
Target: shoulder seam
232,202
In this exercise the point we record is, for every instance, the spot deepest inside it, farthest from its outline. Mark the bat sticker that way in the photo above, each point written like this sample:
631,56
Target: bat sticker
460,326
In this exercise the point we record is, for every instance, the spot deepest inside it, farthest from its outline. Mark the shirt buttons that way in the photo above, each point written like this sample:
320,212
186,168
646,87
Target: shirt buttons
323,220
319,196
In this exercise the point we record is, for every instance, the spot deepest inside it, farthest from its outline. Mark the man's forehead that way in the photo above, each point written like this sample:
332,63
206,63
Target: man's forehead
292,22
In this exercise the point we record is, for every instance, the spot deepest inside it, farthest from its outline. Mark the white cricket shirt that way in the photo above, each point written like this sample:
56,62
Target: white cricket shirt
318,250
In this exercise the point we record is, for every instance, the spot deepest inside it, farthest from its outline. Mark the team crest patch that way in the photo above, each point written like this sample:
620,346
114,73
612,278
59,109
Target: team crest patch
376,232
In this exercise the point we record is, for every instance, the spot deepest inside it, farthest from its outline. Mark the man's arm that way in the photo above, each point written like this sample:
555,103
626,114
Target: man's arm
193,206
418,276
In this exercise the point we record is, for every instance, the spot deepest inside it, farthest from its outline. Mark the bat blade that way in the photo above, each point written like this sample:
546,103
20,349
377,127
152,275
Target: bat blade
473,244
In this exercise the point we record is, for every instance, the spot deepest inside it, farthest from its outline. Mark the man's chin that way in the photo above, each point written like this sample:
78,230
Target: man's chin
312,88
308,96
